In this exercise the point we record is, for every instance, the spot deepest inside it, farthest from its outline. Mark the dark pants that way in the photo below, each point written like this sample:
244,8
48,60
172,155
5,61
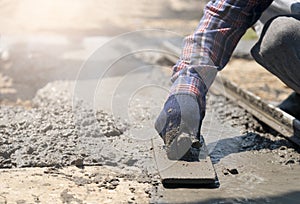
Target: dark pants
278,49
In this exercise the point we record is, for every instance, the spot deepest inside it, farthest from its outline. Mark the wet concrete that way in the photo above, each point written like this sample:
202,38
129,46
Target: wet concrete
48,135
54,134
114,128
252,164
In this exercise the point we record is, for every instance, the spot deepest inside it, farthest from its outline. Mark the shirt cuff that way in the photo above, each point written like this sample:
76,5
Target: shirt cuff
189,85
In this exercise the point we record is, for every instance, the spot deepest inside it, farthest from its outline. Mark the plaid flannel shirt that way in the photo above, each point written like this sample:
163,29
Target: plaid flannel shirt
210,47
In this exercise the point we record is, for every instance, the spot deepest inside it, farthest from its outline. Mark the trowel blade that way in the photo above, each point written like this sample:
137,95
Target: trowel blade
183,172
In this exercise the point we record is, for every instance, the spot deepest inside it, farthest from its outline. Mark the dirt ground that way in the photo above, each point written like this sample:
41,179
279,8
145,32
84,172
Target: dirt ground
253,77
51,152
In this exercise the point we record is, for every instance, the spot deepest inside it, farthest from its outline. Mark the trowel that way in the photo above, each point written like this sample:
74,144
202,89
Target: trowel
182,165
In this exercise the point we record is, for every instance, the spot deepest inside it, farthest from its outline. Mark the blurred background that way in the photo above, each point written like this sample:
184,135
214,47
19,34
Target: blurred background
48,40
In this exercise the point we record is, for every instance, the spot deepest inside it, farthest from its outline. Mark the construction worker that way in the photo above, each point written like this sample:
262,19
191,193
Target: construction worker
209,48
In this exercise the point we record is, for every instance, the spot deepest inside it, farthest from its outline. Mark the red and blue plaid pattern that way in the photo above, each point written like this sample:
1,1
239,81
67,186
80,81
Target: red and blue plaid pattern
223,24
186,83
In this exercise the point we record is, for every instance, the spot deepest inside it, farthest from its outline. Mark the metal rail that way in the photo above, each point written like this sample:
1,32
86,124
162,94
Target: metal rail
282,122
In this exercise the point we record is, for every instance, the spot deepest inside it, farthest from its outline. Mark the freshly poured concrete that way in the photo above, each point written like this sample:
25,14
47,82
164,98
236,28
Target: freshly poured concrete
113,128
251,165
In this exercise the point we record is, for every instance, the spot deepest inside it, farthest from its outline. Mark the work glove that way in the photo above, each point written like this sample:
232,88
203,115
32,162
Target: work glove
179,122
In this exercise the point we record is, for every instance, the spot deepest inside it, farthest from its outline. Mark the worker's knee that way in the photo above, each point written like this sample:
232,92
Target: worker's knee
280,34
278,49
279,40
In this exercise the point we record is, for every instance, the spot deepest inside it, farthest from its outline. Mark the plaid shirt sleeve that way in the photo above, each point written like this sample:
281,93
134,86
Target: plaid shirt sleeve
210,47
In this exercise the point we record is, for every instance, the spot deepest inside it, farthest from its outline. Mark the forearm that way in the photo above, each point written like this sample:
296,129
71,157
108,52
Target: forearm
210,47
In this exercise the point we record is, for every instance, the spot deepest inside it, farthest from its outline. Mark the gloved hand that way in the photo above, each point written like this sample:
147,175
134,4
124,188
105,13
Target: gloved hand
182,116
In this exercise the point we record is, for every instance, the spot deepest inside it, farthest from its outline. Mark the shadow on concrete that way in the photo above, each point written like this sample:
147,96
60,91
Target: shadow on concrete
248,142
291,198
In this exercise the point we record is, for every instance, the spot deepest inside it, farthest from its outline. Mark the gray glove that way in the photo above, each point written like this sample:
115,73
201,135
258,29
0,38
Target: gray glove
180,121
